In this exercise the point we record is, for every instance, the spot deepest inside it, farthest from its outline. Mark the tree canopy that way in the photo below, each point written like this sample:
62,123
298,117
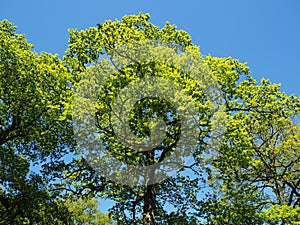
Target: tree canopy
129,103
35,95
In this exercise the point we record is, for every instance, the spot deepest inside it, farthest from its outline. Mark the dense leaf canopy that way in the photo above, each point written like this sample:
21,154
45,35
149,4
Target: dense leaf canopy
248,175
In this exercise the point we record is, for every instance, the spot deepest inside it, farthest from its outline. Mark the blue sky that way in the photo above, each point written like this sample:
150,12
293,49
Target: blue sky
264,33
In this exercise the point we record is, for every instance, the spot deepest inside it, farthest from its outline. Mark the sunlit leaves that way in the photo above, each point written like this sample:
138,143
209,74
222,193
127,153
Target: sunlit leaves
35,99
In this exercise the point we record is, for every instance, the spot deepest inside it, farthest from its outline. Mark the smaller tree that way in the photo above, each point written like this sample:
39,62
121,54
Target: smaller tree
85,211
255,173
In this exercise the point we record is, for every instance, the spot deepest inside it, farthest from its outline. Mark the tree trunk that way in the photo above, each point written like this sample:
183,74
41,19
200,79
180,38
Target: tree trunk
150,192
149,205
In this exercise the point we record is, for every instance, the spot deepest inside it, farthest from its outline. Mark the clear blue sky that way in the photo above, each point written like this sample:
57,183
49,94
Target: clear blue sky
264,33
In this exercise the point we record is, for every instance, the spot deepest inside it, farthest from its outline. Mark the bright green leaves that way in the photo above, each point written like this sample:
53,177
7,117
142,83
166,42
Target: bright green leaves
86,211
35,90
35,98
283,214
258,164
166,43
88,45
253,173
228,71
139,88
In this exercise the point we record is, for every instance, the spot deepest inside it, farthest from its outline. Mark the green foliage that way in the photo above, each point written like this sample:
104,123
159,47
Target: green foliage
283,214
86,46
85,211
135,204
255,168
255,174
250,177
35,99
